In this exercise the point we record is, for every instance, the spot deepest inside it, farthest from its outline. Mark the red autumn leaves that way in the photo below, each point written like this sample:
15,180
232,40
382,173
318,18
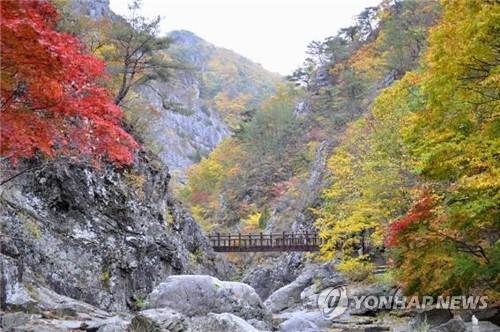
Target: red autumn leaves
420,211
51,101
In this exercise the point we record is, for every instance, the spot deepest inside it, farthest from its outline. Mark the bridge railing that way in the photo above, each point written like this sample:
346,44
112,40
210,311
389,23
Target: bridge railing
265,242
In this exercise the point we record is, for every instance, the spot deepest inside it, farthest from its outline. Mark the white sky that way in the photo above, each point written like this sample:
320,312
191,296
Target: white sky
274,33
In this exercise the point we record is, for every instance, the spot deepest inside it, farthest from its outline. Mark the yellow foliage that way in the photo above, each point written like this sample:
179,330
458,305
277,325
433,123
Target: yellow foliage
368,62
356,269
251,223
371,185
231,108
205,180
438,129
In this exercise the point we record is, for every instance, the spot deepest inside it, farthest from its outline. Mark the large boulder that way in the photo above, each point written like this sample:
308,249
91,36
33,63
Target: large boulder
21,292
195,295
313,277
221,322
274,273
37,323
47,325
298,324
431,317
366,291
119,326
163,319
30,306
453,325
313,316
287,296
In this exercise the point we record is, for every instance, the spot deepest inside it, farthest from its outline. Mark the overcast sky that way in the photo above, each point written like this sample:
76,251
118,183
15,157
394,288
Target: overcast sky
274,33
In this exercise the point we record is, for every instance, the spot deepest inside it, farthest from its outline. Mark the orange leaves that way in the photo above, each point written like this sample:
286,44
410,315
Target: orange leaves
50,101
280,188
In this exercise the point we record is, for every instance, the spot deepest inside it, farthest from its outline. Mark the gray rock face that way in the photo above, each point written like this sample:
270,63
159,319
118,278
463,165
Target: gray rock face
312,279
47,325
10,320
186,134
28,295
192,123
37,323
163,319
41,309
289,295
275,273
432,317
298,324
195,295
105,237
95,9
221,322
453,325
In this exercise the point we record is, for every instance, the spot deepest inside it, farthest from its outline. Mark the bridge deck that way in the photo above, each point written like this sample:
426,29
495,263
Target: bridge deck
265,242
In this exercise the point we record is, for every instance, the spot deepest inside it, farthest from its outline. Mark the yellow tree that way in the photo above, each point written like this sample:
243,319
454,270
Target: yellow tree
454,141
371,182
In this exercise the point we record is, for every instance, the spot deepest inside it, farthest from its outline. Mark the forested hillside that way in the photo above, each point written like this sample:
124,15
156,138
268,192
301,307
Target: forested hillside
203,101
271,156
183,95
408,98
419,174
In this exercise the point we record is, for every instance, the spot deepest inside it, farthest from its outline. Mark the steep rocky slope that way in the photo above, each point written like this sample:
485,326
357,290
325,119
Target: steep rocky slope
203,104
106,237
198,105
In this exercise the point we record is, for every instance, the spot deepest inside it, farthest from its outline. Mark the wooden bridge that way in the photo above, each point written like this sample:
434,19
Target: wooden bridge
265,242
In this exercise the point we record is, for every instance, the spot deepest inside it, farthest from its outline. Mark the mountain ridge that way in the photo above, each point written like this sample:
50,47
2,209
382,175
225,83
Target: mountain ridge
203,105
201,102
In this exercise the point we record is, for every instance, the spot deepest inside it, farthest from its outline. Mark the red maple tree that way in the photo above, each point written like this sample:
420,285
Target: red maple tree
51,101
421,210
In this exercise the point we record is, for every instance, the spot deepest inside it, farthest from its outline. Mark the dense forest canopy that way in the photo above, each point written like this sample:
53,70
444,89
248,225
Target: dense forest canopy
420,171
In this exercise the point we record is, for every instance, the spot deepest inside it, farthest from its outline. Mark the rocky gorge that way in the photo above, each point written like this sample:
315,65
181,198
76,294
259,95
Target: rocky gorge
107,248
110,250
202,104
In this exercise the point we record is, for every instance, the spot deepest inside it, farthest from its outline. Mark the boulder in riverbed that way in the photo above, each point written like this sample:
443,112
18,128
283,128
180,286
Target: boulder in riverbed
163,319
221,322
198,295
